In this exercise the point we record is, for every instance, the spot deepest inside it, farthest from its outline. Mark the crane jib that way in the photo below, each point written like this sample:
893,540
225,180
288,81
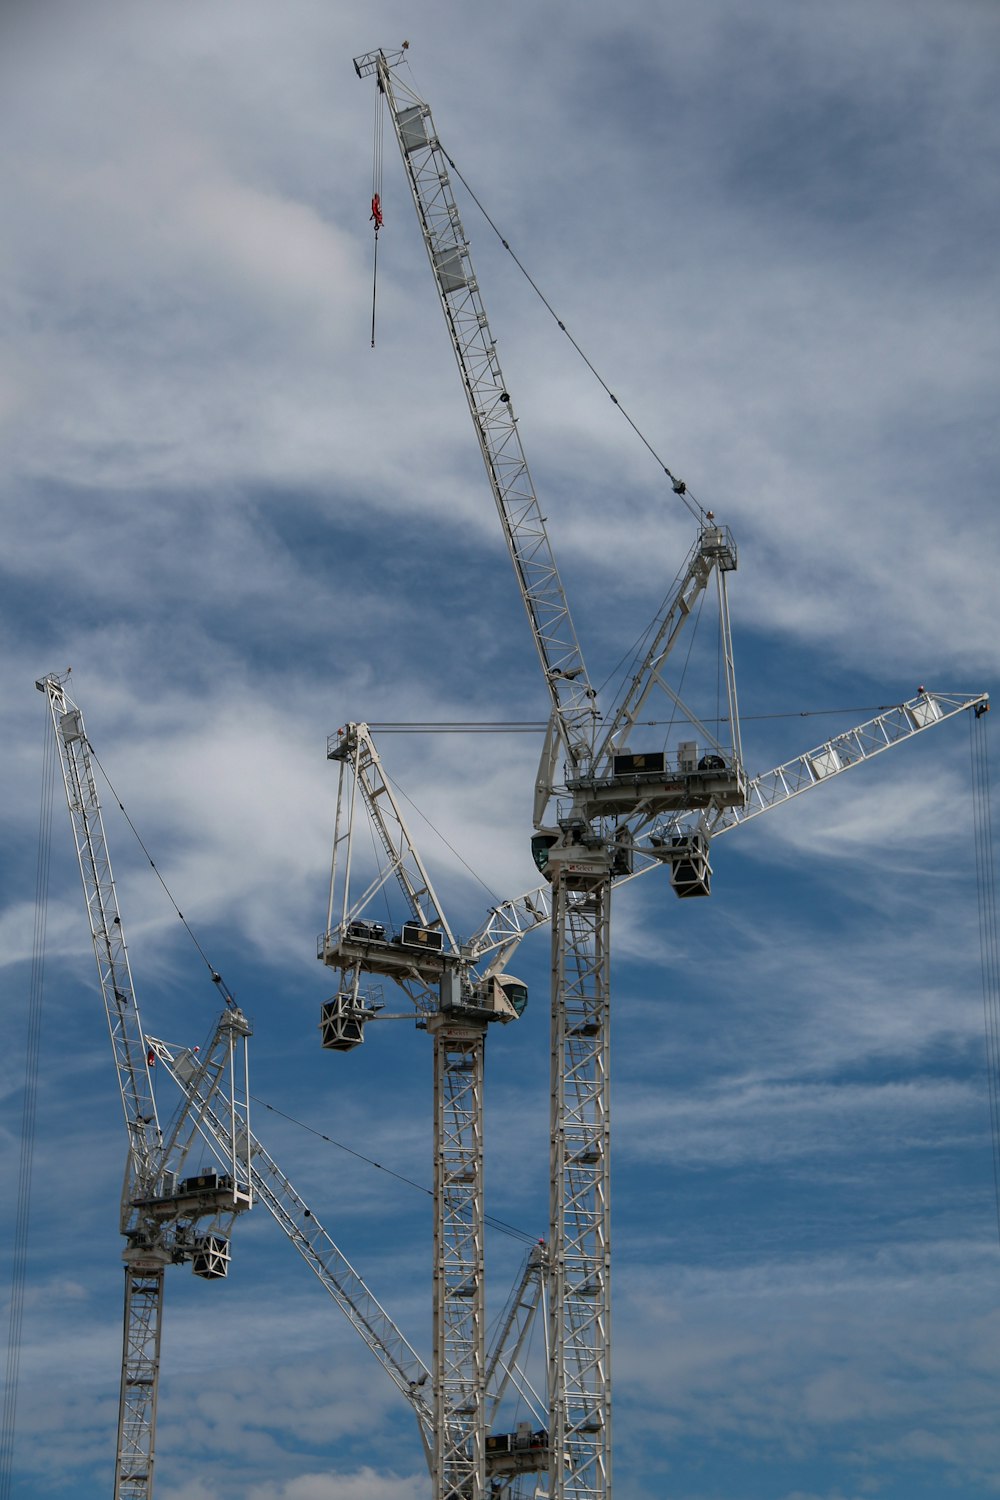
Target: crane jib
490,407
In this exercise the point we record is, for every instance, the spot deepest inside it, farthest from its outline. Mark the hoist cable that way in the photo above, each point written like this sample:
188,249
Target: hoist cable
217,979
720,650
374,285
680,489
492,1222
989,944
376,214
450,847
628,663
28,1111
692,635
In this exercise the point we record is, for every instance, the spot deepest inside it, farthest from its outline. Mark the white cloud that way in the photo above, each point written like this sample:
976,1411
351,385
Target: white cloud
365,1484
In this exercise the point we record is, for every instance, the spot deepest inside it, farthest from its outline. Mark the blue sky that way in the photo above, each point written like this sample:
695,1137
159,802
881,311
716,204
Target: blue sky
773,230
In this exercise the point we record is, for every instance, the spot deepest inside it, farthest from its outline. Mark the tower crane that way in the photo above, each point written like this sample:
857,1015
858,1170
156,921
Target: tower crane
455,1003
613,805
166,1217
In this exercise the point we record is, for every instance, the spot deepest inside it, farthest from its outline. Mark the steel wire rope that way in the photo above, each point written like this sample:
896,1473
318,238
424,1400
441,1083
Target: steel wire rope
989,942
457,726
438,834
22,1222
684,670
376,216
491,1220
630,658
988,947
379,856
680,489
216,976
719,670
520,1402
539,726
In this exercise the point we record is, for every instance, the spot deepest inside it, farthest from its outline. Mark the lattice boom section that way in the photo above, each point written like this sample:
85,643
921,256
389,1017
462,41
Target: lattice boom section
491,408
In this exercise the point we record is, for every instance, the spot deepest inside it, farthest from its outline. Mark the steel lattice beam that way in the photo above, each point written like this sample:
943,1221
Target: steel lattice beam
490,406
162,1223
106,932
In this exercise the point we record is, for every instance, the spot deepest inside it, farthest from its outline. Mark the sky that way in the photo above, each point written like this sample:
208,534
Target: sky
772,230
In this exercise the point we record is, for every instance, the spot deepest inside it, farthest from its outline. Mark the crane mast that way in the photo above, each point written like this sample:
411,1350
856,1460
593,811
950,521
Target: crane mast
164,1217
